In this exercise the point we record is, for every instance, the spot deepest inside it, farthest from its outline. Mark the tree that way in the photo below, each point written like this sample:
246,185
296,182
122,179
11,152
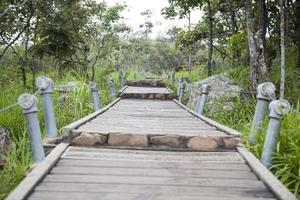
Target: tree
252,44
297,29
282,47
183,8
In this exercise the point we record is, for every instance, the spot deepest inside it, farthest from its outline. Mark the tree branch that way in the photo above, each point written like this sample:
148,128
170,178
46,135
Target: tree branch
8,8
16,38
223,53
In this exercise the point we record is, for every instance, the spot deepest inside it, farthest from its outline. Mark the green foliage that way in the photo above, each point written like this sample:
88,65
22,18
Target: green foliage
286,163
292,89
196,74
68,108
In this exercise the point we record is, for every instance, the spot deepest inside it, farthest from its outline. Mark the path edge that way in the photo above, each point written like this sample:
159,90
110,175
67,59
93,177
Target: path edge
209,121
39,171
264,174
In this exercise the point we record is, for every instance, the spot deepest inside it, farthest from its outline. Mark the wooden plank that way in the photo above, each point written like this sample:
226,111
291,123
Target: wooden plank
135,196
134,89
145,127
176,181
116,117
165,172
152,164
208,133
67,129
122,89
210,121
38,172
146,82
139,123
279,190
146,115
259,192
123,154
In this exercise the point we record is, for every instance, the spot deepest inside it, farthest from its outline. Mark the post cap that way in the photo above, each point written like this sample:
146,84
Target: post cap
199,90
183,85
205,88
42,82
278,108
93,85
26,101
266,91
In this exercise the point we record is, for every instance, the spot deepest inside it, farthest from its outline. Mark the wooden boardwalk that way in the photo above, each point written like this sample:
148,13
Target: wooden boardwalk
150,147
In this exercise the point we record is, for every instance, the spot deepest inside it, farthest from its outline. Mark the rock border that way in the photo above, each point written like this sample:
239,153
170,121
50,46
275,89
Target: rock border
146,82
130,140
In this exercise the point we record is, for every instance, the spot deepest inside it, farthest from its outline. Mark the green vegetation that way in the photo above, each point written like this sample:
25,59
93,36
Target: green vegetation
286,163
87,40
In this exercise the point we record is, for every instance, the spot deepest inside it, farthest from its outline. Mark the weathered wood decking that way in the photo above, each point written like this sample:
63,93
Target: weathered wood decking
153,148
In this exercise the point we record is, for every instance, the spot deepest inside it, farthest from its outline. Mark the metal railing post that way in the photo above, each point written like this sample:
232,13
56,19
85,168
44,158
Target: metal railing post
143,74
121,79
278,108
135,76
45,85
181,92
28,103
95,96
112,88
199,94
173,77
265,93
179,87
204,94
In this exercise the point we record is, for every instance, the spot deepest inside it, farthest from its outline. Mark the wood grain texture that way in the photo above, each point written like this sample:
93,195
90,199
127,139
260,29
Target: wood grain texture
36,175
279,190
140,174
67,129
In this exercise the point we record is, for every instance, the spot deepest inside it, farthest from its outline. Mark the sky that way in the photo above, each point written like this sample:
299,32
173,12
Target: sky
133,16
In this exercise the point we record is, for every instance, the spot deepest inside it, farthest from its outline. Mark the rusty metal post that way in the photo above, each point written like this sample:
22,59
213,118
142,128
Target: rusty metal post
278,108
45,85
265,93
28,103
204,94
95,96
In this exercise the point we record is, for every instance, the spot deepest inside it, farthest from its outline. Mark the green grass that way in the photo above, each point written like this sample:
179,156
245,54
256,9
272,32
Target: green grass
286,161
76,105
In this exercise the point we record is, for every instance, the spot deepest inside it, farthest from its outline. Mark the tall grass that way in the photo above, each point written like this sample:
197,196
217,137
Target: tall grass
68,108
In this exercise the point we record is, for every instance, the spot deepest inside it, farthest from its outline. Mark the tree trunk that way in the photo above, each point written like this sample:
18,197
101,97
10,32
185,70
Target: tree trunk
282,48
234,30
210,43
190,55
32,68
297,30
23,71
252,45
261,40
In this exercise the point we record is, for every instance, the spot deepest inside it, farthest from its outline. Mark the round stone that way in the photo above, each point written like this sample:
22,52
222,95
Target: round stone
26,100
